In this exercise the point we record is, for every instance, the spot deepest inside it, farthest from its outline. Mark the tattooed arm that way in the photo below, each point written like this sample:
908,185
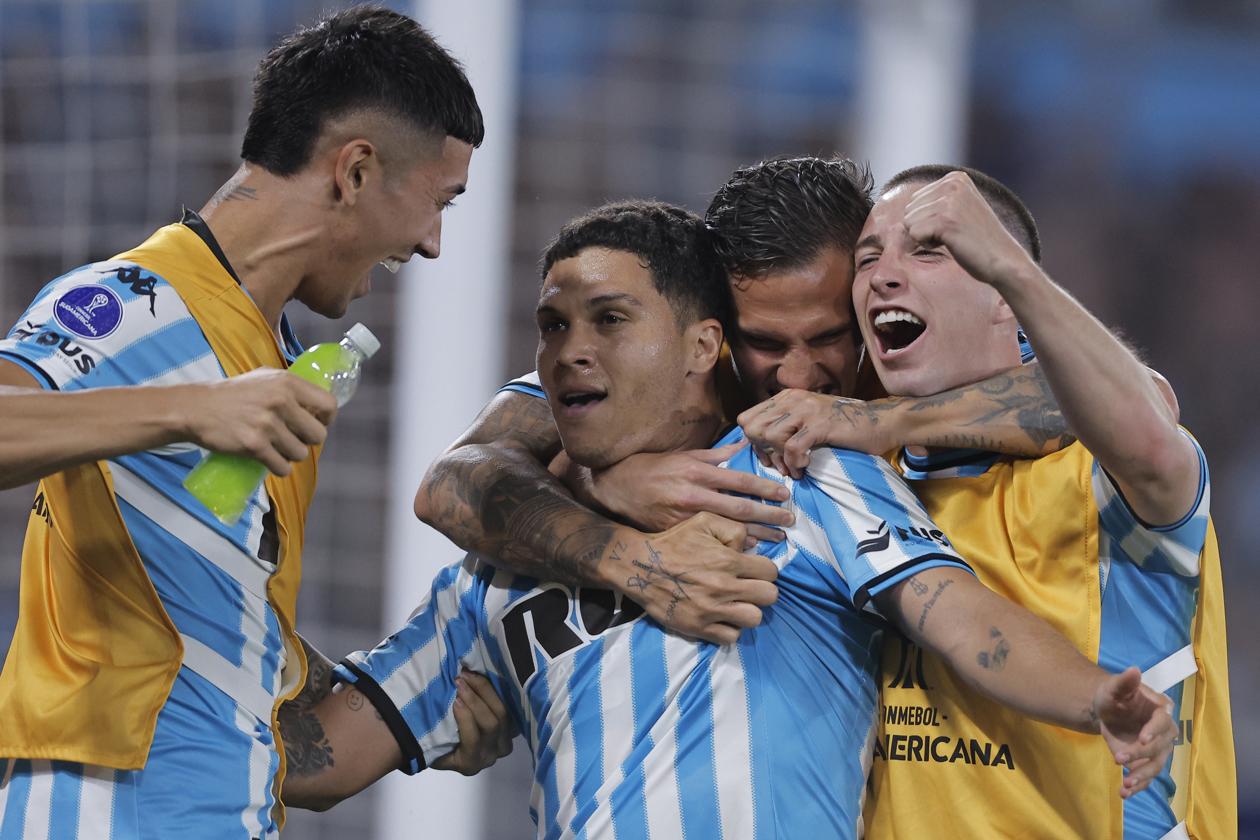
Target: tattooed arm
1014,657
492,493
336,743
1012,412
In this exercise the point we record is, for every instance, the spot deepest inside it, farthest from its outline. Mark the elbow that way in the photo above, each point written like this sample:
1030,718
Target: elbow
313,800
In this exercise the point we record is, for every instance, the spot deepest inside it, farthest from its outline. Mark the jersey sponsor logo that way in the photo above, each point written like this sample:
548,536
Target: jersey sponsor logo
942,749
545,623
89,311
83,361
882,536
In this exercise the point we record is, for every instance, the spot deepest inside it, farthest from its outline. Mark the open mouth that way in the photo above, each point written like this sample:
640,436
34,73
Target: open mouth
897,329
577,401
392,264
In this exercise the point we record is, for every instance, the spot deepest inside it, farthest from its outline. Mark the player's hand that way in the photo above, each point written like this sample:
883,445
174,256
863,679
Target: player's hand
953,213
787,427
267,414
657,491
695,580
1137,725
486,729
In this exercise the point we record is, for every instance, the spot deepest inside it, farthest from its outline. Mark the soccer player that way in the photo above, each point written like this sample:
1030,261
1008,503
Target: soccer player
1109,539
154,644
636,731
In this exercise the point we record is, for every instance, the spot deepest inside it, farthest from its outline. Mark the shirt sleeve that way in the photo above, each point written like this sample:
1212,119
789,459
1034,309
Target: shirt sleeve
862,519
530,384
410,676
1171,548
110,323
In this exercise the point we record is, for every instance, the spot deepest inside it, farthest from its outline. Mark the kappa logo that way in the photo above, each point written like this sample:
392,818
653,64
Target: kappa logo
140,285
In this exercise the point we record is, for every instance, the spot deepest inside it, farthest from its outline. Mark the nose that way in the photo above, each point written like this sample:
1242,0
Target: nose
430,244
576,349
797,370
886,277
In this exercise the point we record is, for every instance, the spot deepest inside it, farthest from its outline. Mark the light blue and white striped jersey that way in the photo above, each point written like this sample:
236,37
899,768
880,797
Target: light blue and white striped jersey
640,733
114,323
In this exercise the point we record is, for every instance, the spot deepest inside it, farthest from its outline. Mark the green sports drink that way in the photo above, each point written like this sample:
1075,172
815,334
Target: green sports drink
225,483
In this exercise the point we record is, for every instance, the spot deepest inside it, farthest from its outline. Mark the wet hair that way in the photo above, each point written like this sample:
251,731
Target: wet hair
673,244
1014,216
780,214
361,59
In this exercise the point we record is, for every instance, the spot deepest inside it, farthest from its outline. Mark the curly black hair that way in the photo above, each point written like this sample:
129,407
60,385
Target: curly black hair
362,58
779,214
673,243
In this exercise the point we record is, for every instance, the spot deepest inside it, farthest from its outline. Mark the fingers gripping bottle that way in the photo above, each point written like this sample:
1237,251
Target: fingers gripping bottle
225,483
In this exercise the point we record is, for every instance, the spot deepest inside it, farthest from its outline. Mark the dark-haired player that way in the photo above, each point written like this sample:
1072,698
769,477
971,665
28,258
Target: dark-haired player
639,732
154,644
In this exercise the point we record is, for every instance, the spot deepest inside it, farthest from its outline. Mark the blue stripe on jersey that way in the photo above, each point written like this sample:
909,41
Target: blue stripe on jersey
762,782
151,355
189,586
586,719
272,645
695,766
523,388
17,797
434,701
66,791
648,681
125,815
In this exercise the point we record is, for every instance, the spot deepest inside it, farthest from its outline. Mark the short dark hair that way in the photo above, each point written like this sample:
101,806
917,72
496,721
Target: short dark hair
779,214
1015,217
673,244
362,58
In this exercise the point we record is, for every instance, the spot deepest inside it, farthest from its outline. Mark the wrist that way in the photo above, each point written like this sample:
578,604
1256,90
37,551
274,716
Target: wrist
175,421
615,566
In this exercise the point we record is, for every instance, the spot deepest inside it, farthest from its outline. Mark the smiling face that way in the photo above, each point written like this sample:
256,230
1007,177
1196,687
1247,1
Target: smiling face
927,324
396,212
619,371
795,328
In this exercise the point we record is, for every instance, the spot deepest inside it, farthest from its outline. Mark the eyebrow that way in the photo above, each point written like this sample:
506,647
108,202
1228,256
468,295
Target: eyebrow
869,239
613,297
761,336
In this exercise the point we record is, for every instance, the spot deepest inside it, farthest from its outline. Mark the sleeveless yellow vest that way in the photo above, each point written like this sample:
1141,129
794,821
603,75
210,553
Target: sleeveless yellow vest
951,763
94,654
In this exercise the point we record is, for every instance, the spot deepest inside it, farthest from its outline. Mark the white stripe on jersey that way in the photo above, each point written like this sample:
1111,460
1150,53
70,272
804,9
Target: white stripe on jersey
732,740
96,800
564,754
39,802
235,682
204,368
250,572
259,773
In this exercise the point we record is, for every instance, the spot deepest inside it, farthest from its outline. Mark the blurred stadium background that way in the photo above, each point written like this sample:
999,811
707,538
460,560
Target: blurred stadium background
1131,127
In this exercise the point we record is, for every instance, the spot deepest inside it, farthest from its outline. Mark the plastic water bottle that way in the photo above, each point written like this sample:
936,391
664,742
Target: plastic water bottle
226,483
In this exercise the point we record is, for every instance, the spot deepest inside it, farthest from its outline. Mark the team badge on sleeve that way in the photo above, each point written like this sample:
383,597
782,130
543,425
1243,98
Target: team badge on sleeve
89,311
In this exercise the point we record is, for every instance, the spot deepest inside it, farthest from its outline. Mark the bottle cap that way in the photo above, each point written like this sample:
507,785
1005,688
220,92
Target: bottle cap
364,340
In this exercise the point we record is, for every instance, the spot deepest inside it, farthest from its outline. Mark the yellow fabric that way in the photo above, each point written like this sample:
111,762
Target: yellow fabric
1208,801
1030,531
94,654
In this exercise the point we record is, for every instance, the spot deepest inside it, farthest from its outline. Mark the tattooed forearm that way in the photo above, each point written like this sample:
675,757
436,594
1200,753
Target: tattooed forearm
994,659
1013,412
857,413
504,504
306,746
927,608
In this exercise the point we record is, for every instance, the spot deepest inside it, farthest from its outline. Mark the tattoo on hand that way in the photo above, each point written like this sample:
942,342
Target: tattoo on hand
855,411
653,572
940,587
994,660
